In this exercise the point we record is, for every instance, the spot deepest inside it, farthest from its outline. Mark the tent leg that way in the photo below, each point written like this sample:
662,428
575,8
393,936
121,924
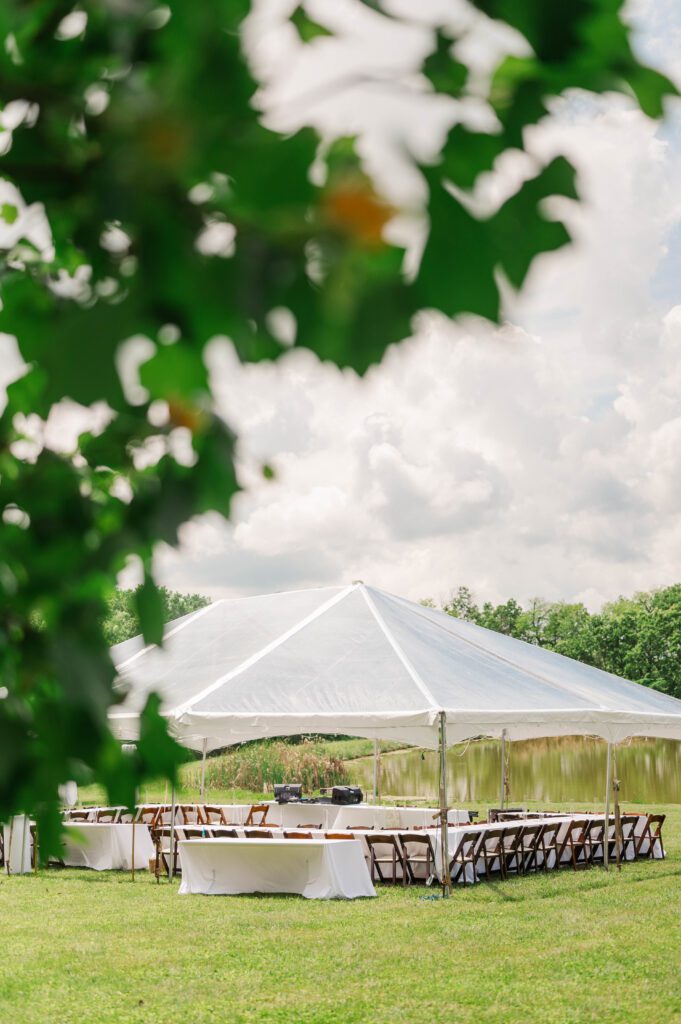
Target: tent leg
608,777
132,852
503,769
171,866
444,835
376,770
203,772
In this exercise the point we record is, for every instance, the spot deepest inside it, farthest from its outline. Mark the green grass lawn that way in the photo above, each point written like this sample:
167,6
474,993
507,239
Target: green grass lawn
80,947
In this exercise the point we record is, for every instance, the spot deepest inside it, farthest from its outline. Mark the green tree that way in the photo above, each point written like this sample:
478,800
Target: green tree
122,617
176,216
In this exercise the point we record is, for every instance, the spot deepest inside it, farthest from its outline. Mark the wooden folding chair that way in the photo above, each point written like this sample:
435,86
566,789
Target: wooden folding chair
257,809
595,837
110,814
394,858
361,828
188,814
221,832
628,823
160,836
550,844
511,857
652,833
308,825
465,856
126,818
258,833
338,835
576,844
297,835
417,850
529,847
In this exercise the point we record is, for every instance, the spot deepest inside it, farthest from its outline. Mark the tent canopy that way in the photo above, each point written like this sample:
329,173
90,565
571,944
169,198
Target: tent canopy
358,661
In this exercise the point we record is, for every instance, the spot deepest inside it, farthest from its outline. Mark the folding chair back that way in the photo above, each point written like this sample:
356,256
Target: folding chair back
83,815
192,832
308,825
258,833
259,812
148,816
338,835
490,851
511,846
361,828
213,815
594,834
297,835
109,814
188,814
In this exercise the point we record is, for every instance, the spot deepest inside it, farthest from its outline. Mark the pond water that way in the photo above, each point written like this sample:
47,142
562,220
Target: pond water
566,768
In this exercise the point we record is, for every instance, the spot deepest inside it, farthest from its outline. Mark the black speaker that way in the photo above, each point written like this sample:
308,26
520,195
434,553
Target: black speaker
287,792
346,795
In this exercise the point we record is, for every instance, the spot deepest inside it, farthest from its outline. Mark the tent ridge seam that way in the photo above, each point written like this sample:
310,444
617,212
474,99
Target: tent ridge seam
416,678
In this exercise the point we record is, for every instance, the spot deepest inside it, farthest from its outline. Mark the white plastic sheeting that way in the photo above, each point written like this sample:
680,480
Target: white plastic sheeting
358,661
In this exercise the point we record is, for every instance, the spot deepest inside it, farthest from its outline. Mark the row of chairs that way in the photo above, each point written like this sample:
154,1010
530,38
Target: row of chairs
156,814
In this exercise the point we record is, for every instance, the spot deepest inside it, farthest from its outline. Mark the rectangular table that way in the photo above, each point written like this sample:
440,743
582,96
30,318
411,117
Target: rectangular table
106,846
320,869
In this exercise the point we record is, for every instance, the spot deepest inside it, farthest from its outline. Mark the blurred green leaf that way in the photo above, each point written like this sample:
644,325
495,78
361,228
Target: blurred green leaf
150,611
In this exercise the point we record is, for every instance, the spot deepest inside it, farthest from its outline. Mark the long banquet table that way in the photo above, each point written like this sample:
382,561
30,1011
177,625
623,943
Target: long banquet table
105,846
318,868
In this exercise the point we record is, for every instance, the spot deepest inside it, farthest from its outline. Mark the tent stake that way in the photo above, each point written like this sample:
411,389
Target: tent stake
375,772
503,769
444,835
203,772
171,866
608,776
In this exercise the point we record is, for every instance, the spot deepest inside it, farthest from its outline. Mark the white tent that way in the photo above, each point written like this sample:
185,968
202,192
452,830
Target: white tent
358,661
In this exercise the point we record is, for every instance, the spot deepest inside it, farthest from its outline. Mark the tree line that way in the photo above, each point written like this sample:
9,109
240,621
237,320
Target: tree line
636,637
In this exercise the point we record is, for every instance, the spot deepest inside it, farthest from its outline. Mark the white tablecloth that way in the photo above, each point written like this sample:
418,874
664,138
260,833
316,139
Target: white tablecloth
17,840
106,847
319,869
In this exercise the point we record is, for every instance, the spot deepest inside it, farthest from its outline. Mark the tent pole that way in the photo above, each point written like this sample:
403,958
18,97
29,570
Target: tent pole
444,835
503,769
171,866
375,772
608,778
618,821
203,772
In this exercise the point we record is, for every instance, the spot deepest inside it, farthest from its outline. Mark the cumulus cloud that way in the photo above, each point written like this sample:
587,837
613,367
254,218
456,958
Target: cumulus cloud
542,457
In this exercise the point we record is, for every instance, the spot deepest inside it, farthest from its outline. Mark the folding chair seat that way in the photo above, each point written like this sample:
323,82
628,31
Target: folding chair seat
417,851
465,856
575,844
529,848
258,811
393,858
651,836
297,835
258,833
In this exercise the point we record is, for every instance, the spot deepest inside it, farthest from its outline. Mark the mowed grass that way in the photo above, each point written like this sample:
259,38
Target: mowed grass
81,947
